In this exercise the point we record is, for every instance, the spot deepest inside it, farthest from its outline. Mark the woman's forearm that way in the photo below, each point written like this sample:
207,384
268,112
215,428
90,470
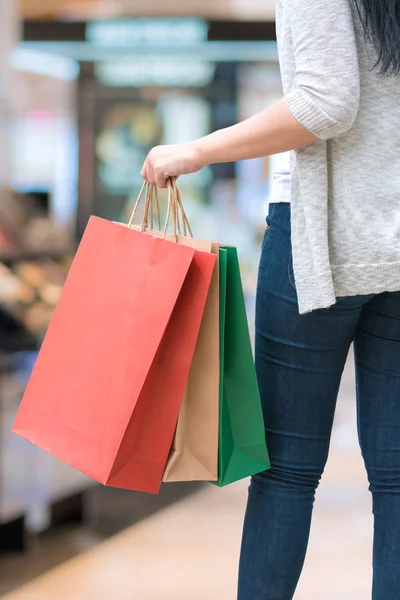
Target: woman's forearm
272,131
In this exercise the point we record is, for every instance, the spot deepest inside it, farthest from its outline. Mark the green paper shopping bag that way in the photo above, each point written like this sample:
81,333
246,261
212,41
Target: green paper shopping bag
242,446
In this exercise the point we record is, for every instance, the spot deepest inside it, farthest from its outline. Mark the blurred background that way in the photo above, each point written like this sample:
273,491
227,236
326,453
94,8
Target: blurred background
87,87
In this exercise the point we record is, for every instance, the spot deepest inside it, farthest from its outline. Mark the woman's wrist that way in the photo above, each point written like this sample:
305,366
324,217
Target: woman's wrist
201,152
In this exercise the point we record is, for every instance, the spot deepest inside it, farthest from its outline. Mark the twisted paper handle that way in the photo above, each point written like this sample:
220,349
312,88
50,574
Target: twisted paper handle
175,209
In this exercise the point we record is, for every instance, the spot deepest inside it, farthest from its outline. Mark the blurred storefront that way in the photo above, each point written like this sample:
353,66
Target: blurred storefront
89,99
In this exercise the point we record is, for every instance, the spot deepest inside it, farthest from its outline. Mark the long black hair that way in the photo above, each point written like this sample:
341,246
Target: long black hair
381,22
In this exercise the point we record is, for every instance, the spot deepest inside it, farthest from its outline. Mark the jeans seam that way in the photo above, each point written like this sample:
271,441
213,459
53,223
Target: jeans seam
290,272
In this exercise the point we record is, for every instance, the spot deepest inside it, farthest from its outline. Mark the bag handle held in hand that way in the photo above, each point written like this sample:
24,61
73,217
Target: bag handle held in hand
175,208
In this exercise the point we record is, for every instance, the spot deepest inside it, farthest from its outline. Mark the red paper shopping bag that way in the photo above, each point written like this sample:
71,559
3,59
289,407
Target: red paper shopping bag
108,384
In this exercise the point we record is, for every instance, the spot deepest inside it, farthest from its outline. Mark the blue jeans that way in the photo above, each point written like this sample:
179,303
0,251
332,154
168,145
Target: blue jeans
300,361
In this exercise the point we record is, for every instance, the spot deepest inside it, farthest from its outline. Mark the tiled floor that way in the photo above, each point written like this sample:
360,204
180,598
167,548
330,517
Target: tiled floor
190,551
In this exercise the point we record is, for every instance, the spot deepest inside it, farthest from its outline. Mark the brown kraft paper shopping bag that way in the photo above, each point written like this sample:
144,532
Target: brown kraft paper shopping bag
194,454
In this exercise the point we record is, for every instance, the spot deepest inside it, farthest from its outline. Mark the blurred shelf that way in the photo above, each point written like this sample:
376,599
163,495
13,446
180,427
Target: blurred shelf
10,258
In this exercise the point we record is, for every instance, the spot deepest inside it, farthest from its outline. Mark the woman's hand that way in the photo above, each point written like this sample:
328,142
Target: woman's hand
171,161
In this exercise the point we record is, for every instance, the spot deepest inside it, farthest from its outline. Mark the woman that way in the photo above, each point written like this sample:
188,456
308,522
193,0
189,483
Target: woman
329,275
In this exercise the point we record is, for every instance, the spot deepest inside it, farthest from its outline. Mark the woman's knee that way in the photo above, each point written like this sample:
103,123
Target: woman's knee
305,479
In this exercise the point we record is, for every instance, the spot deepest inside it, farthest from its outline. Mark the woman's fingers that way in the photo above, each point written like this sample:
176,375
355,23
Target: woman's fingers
161,177
155,172
143,172
147,172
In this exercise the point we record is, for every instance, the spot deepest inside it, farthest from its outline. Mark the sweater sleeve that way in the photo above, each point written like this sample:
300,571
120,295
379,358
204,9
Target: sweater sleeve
326,95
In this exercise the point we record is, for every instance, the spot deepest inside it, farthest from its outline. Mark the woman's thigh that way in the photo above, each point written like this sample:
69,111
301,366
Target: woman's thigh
299,358
377,357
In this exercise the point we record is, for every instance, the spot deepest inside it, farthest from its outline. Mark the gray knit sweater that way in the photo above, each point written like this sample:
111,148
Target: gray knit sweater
346,187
